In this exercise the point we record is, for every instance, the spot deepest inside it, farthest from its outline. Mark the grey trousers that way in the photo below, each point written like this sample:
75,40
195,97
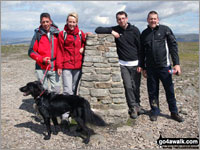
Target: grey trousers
70,81
52,76
131,80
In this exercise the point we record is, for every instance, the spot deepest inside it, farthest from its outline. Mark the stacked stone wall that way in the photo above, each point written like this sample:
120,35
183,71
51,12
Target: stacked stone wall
101,83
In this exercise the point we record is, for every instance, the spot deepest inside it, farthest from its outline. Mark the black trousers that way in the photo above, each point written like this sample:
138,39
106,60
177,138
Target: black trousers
154,75
131,80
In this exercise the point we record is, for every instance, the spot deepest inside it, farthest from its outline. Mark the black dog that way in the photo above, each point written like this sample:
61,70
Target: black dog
51,105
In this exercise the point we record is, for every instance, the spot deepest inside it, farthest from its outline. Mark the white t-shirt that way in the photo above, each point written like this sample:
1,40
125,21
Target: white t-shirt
128,63
48,34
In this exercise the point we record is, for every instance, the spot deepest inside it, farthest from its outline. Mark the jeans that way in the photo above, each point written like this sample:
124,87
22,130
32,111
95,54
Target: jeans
154,75
131,80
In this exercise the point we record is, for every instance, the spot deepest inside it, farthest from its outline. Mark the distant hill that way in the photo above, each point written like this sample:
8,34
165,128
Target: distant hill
187,37
8,41
179,37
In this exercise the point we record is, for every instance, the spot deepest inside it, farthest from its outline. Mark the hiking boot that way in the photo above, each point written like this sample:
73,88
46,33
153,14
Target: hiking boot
153,117
177,117
133,113
140,110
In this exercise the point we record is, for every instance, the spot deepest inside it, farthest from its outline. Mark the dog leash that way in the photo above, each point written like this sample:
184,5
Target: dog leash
42,81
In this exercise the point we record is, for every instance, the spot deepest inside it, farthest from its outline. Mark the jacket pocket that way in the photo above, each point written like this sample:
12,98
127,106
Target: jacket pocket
147,46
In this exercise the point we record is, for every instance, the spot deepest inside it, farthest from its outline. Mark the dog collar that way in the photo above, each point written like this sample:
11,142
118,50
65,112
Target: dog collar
41,94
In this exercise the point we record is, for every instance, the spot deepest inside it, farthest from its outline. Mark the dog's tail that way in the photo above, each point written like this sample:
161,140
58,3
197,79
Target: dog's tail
91,117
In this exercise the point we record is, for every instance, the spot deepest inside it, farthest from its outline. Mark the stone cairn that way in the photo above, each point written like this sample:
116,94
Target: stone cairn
101,83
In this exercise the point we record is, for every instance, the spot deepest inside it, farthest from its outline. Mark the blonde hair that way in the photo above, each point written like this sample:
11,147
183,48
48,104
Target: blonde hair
73,14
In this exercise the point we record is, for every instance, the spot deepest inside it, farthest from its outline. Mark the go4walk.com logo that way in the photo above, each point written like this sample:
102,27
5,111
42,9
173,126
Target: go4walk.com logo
192,143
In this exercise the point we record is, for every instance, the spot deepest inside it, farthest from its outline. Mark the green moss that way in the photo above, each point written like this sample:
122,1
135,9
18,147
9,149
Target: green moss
73,122
131,122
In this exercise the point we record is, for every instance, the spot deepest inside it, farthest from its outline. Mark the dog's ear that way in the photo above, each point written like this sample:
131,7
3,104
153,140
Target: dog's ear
39,85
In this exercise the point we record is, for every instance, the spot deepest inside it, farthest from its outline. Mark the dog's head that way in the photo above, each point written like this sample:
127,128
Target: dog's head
32,88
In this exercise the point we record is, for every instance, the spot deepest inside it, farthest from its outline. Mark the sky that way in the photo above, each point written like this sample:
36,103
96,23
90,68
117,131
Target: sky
20,18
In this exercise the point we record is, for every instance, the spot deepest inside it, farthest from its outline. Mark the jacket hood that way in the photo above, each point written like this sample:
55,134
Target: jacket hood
69,31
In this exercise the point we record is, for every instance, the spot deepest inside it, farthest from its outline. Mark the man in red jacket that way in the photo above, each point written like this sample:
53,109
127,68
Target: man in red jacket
43,50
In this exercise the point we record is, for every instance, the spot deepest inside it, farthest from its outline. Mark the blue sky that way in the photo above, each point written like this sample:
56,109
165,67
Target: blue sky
20,18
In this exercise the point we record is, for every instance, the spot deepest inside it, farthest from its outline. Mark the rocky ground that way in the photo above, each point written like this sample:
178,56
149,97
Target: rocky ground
20,130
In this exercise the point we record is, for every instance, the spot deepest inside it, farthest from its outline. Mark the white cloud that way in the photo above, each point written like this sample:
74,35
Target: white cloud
19,21
59,8
10,4
102,20
24,15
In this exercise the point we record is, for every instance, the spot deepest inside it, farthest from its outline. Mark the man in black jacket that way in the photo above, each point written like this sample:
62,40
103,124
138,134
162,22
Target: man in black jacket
127,38
157,44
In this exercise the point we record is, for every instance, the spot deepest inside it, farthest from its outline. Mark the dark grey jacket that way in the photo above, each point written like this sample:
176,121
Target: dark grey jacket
156,47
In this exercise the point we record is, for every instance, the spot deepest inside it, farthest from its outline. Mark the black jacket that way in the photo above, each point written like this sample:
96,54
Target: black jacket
156,47
128,44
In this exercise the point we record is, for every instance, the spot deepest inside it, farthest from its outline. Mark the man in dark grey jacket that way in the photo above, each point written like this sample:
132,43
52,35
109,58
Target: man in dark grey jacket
127,38
157,44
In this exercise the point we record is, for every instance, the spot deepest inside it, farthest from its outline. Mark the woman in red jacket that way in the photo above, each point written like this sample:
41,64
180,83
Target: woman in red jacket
70,54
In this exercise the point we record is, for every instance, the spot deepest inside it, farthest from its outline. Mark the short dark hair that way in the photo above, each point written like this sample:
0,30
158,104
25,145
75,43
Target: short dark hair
121,13
152,12
46,15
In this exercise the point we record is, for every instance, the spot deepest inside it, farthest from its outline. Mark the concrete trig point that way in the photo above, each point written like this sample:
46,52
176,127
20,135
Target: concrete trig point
101,83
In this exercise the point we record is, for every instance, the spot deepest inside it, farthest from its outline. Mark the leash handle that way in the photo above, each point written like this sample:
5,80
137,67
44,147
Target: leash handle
42,81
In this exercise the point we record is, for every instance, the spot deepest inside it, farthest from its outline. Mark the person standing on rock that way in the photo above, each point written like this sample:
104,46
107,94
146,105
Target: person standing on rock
127,38
157,44
43,49
70,54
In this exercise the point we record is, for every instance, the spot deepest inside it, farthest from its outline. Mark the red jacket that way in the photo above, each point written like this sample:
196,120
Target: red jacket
68,55
42,47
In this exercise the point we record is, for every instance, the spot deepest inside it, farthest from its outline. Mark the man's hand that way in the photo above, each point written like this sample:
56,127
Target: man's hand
139,69
46,60
177,69
144,73
115,34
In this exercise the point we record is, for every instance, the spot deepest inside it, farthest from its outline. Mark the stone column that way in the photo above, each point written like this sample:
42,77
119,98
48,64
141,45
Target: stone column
101,83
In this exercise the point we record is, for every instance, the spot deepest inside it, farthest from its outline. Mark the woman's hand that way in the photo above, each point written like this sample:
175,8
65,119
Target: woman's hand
59,72
88,33
81,50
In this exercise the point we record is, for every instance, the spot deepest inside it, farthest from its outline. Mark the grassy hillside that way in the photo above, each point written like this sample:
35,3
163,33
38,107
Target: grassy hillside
188,51
19,50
